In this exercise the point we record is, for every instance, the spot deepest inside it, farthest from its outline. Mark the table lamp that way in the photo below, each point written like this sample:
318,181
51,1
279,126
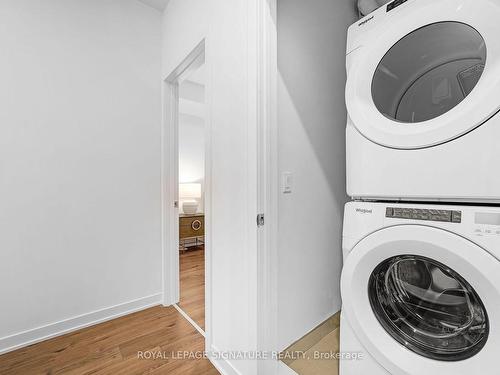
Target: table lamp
190,195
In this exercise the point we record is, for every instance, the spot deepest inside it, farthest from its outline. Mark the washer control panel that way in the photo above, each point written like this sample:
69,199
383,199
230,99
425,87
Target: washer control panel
487,223
446,216
482,231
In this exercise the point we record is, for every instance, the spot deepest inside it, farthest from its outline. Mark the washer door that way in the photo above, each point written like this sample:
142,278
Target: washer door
432,75
419,297
428,307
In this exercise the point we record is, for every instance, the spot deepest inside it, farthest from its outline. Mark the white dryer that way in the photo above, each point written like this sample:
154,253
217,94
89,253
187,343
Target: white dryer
423,95
420,289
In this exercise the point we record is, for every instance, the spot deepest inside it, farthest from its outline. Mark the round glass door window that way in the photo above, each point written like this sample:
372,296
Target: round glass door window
428,308
429,72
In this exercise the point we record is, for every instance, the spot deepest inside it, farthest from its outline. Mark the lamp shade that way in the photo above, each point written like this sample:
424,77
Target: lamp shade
190,191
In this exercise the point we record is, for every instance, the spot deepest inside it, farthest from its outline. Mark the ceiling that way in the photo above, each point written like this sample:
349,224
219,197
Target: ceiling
157,4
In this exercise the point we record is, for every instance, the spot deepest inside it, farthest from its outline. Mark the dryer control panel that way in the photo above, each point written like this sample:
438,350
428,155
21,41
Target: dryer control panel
395,4
446,216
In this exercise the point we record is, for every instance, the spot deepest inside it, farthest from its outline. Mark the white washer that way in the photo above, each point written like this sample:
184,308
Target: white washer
420,289
423,95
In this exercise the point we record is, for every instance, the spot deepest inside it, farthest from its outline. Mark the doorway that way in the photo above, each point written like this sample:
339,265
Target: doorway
191,140
185,138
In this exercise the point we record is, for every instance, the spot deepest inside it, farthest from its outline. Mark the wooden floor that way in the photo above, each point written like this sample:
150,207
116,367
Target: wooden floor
310,366
325,338
113,348
192,284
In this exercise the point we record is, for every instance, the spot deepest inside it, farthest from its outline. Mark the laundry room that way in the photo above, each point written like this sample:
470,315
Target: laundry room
421,221
249,187
421,233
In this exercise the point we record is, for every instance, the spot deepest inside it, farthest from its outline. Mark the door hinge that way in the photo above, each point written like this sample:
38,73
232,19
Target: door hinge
260,220
176,204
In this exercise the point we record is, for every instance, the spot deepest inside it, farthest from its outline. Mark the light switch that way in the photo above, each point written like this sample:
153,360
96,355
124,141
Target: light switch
286,182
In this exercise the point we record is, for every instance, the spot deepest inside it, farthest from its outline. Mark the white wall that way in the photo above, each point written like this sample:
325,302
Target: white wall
79,163
312,119
232,319
191,149
192,113
185,24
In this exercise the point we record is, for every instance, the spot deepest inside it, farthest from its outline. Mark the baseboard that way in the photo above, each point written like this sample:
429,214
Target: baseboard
285,370
223,365
226,368
312,337
26,338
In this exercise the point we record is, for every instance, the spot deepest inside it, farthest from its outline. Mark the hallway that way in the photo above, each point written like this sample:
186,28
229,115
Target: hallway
120,346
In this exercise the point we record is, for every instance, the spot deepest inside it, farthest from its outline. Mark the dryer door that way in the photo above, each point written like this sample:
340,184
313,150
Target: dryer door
421,298
431,73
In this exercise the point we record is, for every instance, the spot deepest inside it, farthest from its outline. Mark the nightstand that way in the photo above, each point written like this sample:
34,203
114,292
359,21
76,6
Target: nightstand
191,230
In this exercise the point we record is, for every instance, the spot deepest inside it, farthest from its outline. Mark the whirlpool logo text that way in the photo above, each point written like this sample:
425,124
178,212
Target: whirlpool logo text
365,21
364,211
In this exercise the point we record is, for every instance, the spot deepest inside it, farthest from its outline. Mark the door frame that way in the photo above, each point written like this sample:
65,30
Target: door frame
265,34
170,175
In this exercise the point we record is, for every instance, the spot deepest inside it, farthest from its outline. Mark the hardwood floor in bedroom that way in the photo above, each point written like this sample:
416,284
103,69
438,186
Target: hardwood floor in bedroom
114,348
192,284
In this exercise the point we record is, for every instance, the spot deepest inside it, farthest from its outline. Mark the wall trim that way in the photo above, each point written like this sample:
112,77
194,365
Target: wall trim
285,370
188,318
222,365
33,336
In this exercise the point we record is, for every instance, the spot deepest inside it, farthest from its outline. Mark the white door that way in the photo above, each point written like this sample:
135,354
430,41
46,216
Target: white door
237,36
424,301
429,74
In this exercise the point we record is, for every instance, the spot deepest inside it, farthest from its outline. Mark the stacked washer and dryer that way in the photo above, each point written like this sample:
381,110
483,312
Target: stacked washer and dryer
421,278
